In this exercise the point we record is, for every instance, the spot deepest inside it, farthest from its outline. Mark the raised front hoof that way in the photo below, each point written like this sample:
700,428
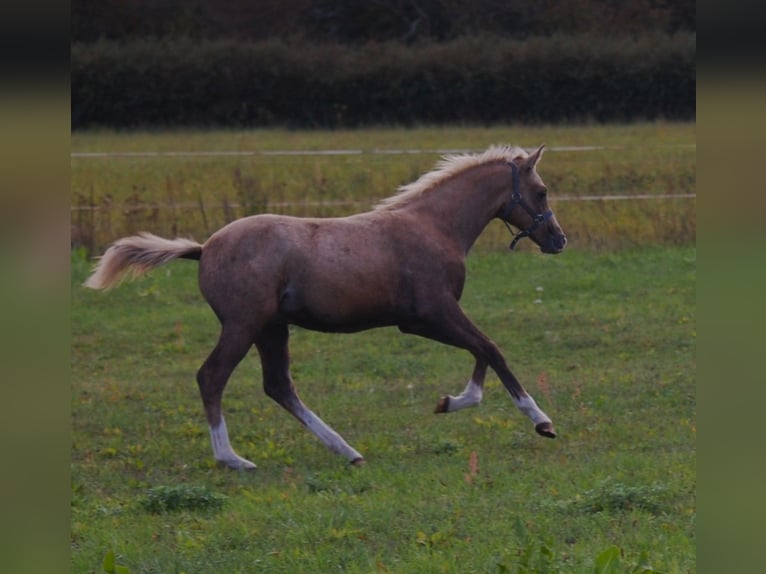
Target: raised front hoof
358,462
546,429
237,464
442,406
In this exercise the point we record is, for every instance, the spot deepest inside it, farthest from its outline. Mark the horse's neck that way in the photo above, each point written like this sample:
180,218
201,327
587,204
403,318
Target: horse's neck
465,204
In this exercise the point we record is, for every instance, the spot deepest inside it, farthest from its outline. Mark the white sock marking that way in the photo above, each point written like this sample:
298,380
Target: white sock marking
326,434
470,397
222,450
528,406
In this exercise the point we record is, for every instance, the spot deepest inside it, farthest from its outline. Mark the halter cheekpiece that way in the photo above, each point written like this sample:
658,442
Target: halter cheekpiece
517,200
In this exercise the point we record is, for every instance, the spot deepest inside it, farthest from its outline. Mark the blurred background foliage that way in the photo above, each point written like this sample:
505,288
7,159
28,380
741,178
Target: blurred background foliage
350,63
362,21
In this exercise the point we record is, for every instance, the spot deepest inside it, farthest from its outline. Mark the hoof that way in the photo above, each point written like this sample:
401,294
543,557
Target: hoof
237,464
546,429
442,406
358,462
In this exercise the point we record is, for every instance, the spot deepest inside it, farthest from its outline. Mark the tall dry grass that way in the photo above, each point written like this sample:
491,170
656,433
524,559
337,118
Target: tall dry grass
194,195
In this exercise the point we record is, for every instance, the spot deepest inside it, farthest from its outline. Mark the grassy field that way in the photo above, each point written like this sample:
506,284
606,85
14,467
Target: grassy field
605,342
602,335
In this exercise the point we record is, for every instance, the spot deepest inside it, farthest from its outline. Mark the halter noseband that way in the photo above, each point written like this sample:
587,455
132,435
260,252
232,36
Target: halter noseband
516,199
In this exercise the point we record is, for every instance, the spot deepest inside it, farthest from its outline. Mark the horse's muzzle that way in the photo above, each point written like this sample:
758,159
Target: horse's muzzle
555,244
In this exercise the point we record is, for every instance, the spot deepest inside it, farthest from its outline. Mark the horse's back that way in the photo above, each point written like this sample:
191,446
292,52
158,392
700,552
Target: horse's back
321,272
267,237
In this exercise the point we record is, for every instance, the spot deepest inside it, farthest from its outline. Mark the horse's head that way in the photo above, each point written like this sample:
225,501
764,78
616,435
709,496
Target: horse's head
528,208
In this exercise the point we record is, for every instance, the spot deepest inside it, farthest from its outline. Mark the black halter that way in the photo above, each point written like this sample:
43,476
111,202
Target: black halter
516,199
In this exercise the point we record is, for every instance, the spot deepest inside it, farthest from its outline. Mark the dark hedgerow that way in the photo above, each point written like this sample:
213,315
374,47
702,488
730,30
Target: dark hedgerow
478,80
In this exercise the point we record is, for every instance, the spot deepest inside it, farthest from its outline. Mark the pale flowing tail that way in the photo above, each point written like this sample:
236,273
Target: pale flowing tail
137,255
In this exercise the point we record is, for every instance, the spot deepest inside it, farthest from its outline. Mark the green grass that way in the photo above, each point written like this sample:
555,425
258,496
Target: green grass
602,335
194,196
605,341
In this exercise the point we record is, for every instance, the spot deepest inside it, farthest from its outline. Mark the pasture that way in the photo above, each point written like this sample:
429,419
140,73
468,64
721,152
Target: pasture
602,335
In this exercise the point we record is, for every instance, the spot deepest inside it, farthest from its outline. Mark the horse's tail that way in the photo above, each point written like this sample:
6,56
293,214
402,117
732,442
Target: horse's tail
137,255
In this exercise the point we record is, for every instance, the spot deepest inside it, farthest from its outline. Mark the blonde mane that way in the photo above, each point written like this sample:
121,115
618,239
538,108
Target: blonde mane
449,166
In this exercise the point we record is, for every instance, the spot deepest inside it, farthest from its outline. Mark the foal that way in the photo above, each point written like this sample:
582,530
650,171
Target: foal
401,264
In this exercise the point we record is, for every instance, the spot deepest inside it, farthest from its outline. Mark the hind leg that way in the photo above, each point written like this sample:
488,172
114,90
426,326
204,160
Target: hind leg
278,385
212,377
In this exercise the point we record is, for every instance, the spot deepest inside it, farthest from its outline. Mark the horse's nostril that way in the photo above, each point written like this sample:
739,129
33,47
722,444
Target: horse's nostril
558,242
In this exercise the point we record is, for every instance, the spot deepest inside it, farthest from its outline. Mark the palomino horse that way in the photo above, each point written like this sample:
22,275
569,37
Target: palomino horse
401,264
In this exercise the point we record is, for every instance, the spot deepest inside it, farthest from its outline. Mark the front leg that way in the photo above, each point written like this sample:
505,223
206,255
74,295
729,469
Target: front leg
471,395
542,422
448,324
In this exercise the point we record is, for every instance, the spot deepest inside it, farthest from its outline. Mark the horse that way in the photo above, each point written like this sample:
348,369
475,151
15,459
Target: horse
400,264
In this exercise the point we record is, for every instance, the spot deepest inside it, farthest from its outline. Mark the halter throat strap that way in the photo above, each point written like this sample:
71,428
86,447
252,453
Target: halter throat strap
518,201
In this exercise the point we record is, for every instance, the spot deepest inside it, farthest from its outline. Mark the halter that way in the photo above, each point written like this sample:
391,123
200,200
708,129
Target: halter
516,199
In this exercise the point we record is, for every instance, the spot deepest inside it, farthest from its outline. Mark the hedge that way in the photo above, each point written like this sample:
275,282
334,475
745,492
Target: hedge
471,80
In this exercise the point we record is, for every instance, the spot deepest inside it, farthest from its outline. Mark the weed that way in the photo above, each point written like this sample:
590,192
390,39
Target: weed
445,446
161,499
110,566
336,484
612,561
613,496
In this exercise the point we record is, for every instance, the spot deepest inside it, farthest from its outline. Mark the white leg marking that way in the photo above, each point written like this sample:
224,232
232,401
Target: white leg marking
222,450
326,434
528,406
470,397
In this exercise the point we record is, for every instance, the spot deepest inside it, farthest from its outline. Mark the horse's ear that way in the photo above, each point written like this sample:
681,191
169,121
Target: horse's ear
532,160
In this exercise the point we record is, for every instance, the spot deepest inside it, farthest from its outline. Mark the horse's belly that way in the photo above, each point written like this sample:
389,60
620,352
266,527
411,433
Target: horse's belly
337,308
